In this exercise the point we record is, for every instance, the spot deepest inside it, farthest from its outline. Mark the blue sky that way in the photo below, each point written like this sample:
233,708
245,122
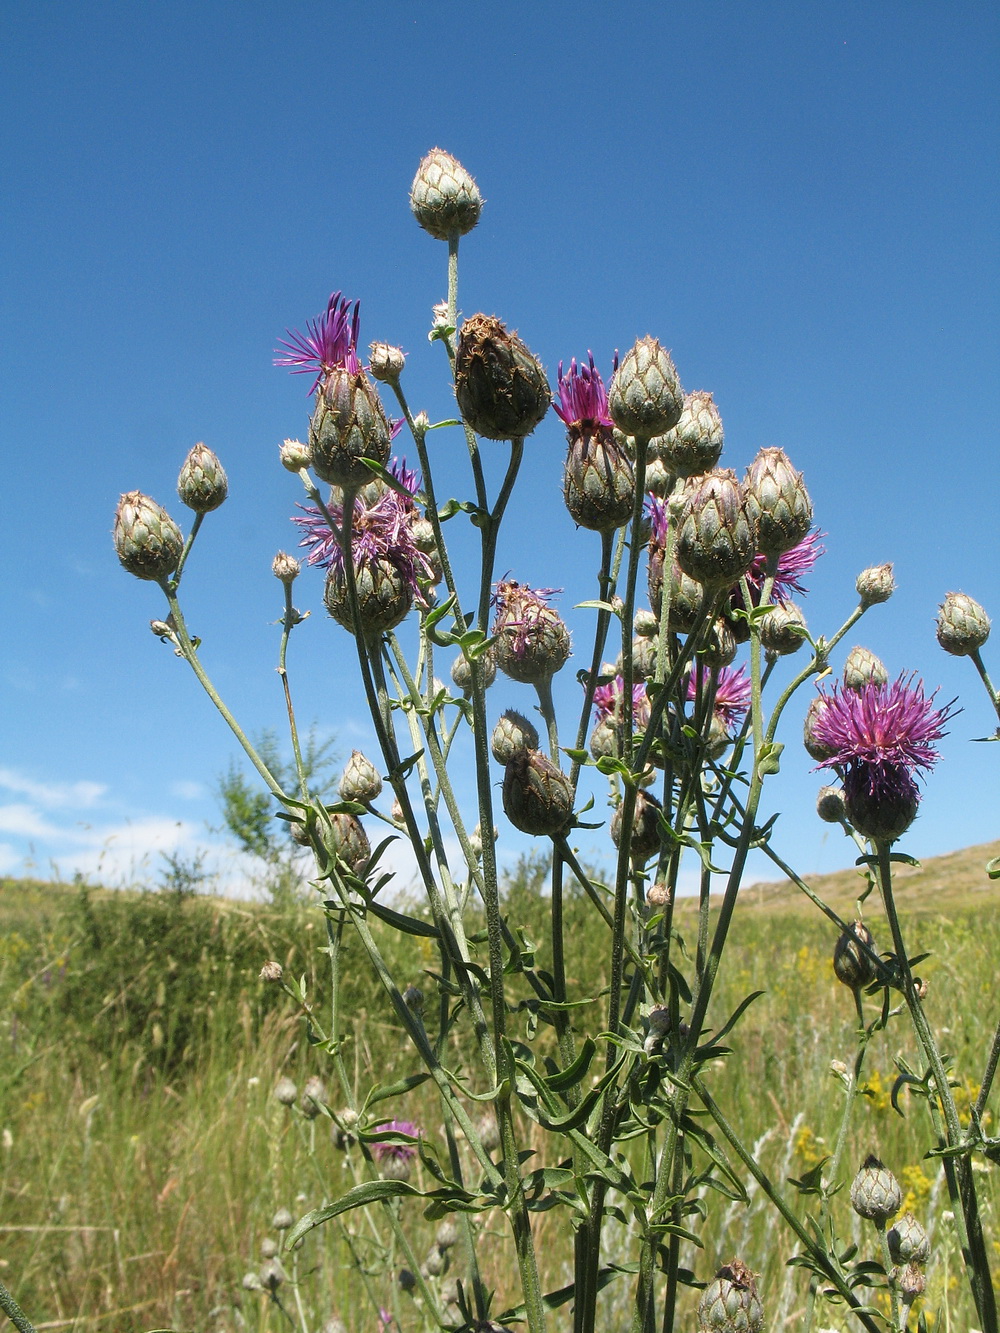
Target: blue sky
800,199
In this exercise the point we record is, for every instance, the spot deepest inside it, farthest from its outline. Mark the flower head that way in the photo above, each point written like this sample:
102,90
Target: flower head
330,342
381,529
384,1150
532,639
880,735
581,398
793,565
732,692
608,702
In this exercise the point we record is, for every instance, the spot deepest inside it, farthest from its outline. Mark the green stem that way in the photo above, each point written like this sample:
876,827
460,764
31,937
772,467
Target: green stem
14,1312
977,662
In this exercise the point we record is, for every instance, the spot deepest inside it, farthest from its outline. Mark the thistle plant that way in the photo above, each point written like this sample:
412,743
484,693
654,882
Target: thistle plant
606,1122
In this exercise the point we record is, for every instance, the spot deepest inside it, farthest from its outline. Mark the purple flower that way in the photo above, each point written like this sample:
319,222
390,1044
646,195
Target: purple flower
582,398
659,520
396,1152
380,530
732,692
608,702
880,727
329,343
792,566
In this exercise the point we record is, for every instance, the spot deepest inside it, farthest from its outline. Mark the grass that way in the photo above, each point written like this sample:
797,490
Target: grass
143,1155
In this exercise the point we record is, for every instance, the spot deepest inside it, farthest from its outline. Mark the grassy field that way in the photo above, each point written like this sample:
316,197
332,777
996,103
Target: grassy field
143,1154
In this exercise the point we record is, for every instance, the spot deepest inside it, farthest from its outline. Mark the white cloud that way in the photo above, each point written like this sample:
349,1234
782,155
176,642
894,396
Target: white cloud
188,791
53,795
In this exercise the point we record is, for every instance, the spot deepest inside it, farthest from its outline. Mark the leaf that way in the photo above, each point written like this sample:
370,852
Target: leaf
769,762
597,606
397,1089
370,1191
993,866
812,1181
574,1073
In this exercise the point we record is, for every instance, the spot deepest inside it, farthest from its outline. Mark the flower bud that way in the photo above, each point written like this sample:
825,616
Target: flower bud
163,629
645,839
271,1275
282,1220
313,1096
908,1241
435,1262
202,484
295,455
598,482
285,1092
147,540
777,501
501,388
347,842
532,641
360,780
645,624
446,1235
489,1133
406,1280
875,585
444,198
830,805
348,424
912,1282
783,629
962,625
537,797
695,443
658,481
715,539
285,567
387,362
863,668
814,747
875,1192
852,956
731,1304
720,647
659,894
513,734
461,670
271,971
268,1247
686,593
645,396
606,740
643,658
413,998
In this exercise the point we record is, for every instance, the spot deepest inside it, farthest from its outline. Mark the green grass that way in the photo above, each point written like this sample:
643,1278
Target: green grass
143,1154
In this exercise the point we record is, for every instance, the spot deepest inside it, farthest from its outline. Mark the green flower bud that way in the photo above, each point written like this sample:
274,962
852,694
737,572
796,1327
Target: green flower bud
962,625
537,797
386,362
147,540
852,961
783,629
695,443
875,1192
512,735
385,596
731,1304
645,839
348,424
830,805
202,483
715,539
814,747
645,396
501,388
720,647
461,670
598,482
658,480
908,1241
444,198
777,501
863,668
875,585
360,780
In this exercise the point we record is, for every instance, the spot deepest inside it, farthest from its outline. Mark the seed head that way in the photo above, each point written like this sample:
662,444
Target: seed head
537,797
645,397
444,198
695,443
875,585
285,567
271,971
147,540
500,386
875,1192
912,1282
962,625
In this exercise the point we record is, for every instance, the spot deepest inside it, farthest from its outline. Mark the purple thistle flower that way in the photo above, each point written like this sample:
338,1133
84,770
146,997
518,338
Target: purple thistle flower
329,343
792,566
892,725
397,1152
582,398
608,702
382,529
659,520
732,692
